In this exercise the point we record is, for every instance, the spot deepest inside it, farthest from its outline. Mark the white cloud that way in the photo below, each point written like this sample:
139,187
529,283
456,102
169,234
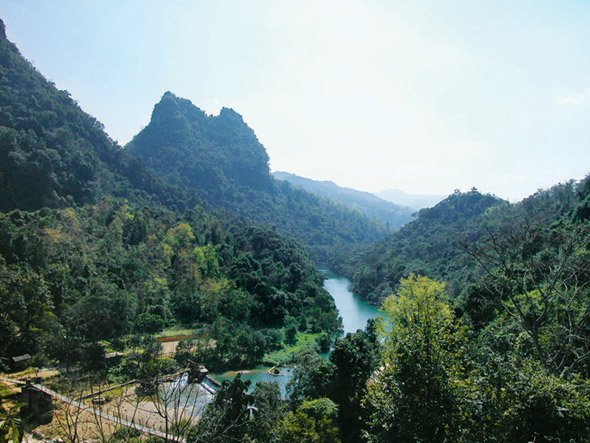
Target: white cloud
575,99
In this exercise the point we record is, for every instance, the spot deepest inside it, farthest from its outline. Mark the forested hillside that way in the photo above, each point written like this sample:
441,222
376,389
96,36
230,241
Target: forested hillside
428,246
222,160
438,242
390,214
491,342
54,154
485,335
508,360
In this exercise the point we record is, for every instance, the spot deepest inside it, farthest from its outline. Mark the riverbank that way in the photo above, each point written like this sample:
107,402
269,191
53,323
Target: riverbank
304,341
354,312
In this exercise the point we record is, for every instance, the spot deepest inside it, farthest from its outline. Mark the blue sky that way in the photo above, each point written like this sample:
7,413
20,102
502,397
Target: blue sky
425,96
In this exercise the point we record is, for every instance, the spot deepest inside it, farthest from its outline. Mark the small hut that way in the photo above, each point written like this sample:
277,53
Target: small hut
20,362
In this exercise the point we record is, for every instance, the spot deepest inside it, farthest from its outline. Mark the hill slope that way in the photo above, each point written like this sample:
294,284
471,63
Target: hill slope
53,154
438,243
372,206
221,159
77,275
427,246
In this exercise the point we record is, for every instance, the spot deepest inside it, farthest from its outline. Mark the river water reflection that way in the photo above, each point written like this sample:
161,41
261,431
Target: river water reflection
354,312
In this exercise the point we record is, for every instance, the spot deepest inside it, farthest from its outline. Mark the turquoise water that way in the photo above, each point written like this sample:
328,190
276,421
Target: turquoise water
354,312
259,374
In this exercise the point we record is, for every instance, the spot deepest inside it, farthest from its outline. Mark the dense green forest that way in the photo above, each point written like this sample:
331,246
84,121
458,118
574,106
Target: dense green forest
55,155
502,355
498,352
74,276
222,160
390,214
434,370
438,242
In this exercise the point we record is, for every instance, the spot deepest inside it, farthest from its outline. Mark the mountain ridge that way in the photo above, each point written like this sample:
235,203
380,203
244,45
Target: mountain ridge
94,246
371,205
55,154
426,246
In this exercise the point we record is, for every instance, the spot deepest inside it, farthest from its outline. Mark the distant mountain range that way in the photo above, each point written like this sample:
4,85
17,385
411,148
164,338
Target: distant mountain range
414,201
372,206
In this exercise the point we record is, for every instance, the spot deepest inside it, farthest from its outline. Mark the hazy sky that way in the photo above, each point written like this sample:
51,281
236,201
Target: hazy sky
426,96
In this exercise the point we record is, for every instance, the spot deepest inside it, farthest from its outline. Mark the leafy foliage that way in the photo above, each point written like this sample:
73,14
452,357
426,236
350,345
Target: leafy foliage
227,418
537,278
11,425
519,401
311,422
343,378
416,394
112,269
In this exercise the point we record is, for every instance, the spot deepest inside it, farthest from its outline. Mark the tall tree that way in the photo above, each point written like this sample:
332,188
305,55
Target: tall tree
415,394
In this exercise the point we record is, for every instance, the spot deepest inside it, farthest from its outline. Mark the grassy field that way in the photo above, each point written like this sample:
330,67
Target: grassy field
29,372
176,331
285,355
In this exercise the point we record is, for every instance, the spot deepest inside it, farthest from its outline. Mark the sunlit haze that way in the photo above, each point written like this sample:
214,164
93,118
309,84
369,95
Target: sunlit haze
424,96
